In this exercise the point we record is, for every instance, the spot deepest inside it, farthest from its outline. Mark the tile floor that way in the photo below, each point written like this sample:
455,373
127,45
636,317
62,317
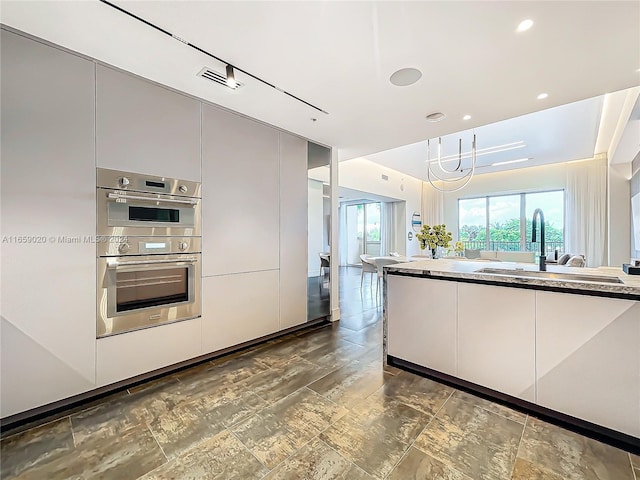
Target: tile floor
316,405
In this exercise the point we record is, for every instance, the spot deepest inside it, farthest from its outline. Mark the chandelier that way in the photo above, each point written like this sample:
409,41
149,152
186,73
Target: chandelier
456,178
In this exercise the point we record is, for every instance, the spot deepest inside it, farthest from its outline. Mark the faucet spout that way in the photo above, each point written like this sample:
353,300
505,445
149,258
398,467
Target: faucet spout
537,214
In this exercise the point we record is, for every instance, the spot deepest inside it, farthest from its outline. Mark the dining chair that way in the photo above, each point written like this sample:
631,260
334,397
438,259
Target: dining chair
325,262
368,266
380,264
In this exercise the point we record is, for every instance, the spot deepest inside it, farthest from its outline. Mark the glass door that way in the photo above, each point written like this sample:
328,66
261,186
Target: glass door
363,231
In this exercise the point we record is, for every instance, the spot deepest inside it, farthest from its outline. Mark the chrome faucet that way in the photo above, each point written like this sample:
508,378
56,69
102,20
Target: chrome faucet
543,258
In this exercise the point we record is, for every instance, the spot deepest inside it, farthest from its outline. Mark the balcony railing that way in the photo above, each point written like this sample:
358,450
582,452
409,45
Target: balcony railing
550,247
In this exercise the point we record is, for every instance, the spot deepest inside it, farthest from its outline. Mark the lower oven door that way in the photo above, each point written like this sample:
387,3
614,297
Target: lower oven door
139,292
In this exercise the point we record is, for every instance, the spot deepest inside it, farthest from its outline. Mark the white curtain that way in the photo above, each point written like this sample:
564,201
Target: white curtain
586,210
388,228
342,235
432,205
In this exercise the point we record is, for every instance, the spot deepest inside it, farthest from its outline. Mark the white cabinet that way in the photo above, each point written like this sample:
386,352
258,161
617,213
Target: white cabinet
293,230
240,194
120,357
145,128
496,338
238,308
422,325
48,208
588,358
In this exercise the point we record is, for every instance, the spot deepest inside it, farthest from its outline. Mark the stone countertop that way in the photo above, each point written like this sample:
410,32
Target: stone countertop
466,271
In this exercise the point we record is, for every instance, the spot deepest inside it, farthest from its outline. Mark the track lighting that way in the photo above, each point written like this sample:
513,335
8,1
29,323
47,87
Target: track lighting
231,78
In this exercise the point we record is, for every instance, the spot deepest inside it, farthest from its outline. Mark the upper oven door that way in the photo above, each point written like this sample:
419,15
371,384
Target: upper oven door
146,214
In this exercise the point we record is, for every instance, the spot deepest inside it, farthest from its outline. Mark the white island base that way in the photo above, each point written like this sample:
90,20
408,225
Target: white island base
571,357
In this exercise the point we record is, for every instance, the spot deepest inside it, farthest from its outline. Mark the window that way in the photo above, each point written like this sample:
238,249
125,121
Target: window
503,222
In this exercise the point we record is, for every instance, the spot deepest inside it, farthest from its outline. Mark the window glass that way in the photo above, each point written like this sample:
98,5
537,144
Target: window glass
504,223
472,222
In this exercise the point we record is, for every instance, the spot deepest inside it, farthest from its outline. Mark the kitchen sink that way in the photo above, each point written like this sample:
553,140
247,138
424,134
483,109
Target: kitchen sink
575,277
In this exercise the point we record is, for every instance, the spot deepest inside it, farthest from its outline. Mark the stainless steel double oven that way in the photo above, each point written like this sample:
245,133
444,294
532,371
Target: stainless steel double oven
148,249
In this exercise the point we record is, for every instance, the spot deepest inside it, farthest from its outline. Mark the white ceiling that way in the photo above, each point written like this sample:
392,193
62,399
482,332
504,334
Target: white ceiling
340,55
558,134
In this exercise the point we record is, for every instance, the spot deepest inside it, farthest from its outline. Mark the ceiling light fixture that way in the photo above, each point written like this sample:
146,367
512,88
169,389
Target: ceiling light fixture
487,151
195,47
519,160
542,96
231,78
467,117
460,179
525,25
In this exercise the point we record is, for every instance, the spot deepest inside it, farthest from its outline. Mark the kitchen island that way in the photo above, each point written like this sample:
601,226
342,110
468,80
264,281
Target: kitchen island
564,343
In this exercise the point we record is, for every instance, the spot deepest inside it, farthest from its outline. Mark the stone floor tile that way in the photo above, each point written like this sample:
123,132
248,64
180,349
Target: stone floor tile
501,410
474,441
335,354
280,429
278,382
376,434
133,454
352,383
268,438
317,461
570,455
417,465
417,392
35,447
222,457
181,428
525,470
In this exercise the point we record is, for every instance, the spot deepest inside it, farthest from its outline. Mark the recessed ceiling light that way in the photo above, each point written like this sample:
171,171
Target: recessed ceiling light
467,117
542,96
436,116
405,77
525,25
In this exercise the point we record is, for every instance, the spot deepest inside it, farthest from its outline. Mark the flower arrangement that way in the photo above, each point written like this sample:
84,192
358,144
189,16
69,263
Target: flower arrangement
458,247
432,237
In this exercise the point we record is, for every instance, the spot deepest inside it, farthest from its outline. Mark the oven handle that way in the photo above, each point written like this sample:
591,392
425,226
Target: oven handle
187,201
114,263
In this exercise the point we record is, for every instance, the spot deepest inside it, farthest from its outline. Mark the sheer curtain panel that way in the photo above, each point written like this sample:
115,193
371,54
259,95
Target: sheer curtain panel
586,210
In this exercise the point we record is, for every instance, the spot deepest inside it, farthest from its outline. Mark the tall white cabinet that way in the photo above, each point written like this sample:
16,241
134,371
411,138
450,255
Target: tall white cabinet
145,128
48,207
253,229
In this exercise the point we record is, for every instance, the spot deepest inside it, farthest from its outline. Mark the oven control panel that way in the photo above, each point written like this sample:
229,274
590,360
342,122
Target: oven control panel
119,246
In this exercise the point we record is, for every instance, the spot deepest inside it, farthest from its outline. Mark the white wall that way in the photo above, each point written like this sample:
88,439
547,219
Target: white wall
619,210
366,176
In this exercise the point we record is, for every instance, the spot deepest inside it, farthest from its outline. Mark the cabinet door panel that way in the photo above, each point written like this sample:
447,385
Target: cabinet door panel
134,353
496,339
588,360
293,230
422,322
48,216
238,308
240,194
144,128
